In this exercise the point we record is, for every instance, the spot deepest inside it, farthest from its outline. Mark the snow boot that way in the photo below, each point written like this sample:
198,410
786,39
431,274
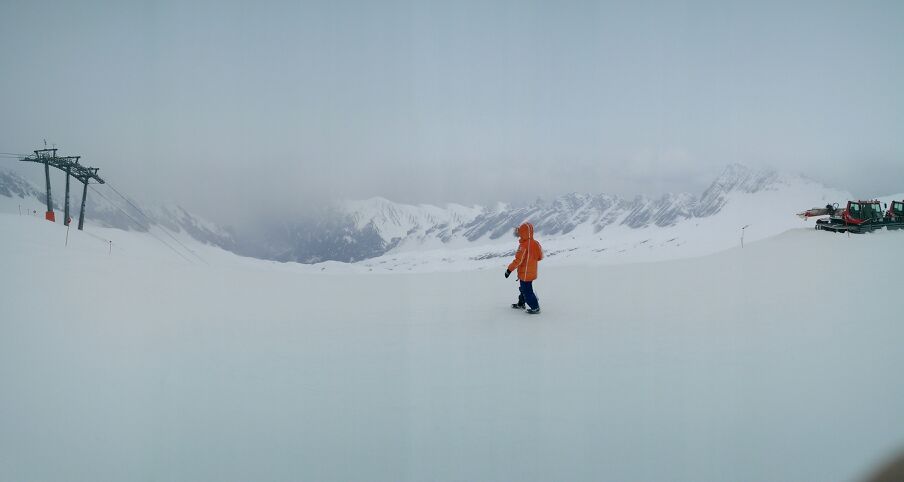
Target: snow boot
518,306
532,311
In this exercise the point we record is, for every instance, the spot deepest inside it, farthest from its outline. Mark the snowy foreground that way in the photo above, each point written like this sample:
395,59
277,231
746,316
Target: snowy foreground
777,362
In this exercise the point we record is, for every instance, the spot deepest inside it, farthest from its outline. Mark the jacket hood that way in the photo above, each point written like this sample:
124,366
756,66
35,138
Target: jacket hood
526,231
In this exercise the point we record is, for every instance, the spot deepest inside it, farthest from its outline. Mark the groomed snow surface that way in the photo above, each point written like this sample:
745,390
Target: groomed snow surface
777,362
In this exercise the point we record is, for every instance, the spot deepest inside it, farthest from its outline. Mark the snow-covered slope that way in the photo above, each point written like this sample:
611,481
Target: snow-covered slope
574,228
141,365
406,222
379,231
610,231
105,208
584,212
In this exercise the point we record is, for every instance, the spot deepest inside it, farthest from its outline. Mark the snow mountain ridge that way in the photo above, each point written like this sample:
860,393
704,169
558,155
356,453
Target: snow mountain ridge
105,208
404,225
385,235
382,234
605,229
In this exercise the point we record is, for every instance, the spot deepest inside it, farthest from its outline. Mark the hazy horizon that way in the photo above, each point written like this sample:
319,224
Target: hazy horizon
234,112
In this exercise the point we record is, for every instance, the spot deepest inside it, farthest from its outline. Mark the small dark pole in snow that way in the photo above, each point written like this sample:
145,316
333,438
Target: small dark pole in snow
111,248
67,235
20,210
742,234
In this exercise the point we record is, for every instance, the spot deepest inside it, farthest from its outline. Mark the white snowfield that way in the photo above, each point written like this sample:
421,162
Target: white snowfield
781,361
761,214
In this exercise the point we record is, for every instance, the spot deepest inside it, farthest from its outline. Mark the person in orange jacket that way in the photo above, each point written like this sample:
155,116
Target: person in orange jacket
529,253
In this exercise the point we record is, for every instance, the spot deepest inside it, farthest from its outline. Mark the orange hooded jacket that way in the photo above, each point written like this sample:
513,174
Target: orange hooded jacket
529,252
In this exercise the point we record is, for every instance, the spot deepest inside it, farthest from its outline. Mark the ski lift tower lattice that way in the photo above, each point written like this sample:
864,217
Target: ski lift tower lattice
70,165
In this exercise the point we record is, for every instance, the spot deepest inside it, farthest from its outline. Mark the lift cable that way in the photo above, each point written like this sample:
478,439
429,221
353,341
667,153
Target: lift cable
149,221
137,222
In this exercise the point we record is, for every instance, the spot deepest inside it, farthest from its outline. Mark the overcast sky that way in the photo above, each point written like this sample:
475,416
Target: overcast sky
274,106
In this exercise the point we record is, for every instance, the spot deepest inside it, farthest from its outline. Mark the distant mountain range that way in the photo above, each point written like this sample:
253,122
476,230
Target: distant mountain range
357,230
353,231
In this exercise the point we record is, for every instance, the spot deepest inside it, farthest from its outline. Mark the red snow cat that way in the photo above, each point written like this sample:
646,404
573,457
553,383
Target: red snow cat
895,212
858,216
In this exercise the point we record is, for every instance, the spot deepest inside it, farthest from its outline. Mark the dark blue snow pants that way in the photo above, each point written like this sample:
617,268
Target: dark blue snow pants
527,295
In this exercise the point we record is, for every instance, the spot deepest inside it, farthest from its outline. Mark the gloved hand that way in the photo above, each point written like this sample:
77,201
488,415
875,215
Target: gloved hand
507,273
